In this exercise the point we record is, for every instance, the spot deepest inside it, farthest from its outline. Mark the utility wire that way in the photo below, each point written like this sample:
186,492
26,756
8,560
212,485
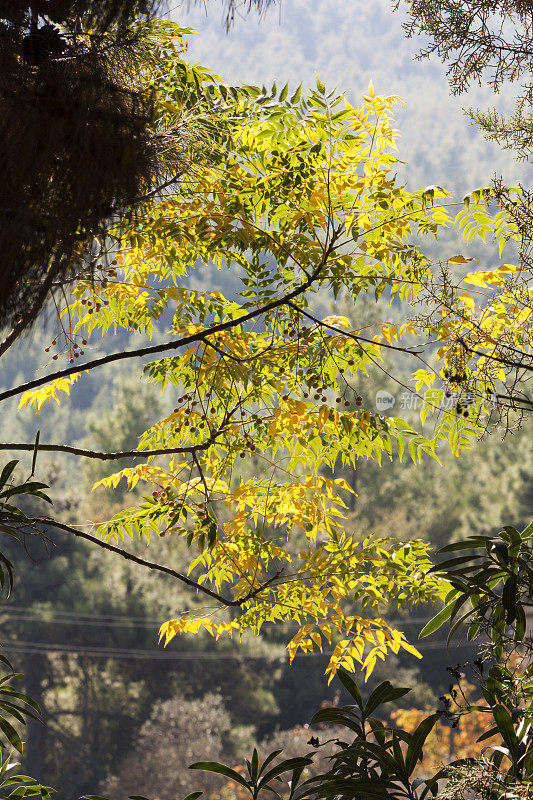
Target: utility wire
58,617
167,655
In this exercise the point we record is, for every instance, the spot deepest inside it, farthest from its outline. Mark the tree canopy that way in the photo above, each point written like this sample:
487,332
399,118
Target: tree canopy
298,199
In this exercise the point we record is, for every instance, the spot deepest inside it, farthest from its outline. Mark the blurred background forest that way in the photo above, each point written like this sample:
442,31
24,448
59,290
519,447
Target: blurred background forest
120,713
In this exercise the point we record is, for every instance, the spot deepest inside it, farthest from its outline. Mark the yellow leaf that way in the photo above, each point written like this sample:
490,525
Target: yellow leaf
459,260
411,649
468,300
40,396
337,322
386,331
173,293
323,416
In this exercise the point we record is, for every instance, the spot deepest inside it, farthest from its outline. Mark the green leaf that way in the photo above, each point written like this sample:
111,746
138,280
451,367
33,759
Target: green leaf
438,620
11,734
350,686
296,96
466,544
269,759
488,734
521,624
254,766
418,738
35,447
509,597
513,534
505,726
93,797
6,472
284,766
337,716
221,769
384,693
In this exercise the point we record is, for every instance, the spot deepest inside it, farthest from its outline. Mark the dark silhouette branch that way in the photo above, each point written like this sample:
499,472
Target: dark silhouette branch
152,565
29,316
78,451
174,344
508,362
353,336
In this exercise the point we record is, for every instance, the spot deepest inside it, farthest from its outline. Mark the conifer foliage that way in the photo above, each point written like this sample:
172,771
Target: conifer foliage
80,139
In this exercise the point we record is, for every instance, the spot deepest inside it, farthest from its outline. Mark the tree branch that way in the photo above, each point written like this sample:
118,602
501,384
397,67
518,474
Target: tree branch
505,361
353,336
174,344
78,451
29,316
152,565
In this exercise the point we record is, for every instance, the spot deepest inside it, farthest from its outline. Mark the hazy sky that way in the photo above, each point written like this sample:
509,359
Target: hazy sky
348,43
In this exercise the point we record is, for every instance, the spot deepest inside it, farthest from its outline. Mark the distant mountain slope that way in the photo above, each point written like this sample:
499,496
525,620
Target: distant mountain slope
348,43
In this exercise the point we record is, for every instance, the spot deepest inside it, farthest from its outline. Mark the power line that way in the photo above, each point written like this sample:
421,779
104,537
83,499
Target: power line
167,655
81,622
59,617
74,614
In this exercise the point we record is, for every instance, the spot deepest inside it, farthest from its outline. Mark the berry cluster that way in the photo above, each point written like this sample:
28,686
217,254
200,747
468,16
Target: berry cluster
75,350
